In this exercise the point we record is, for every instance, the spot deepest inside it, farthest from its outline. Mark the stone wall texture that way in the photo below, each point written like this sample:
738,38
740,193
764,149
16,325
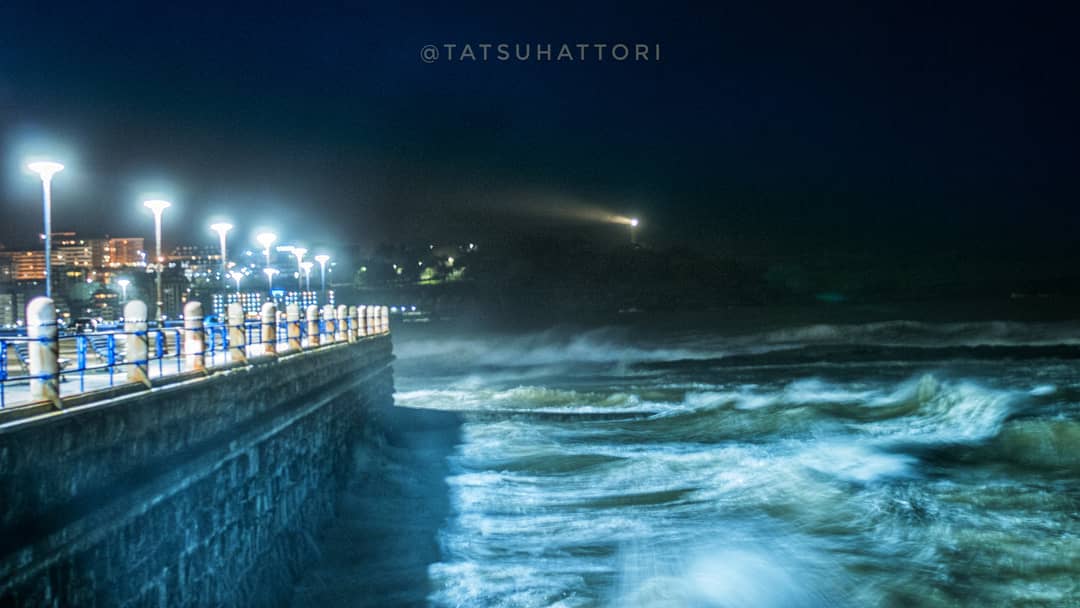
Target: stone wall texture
207,492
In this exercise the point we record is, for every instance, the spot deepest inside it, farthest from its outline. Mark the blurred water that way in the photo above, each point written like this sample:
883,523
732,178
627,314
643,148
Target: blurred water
884,464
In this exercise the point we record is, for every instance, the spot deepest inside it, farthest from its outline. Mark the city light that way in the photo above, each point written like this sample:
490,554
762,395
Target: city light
45,170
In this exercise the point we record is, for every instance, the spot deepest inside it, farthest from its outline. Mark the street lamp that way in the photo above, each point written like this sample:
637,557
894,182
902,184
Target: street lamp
270,272
222,228
46,170
633,229
322,259
123,283
266,239
306,267
299,253
158,206
236,276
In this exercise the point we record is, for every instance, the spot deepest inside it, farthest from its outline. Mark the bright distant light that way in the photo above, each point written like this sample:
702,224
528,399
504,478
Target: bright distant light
322,258
266,239
45,168
221,227
123,282
157,205
634,222
270,272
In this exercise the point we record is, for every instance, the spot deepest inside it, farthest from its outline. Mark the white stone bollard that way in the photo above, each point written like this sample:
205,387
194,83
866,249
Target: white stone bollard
44,349
329,315
354,324
137,355
237,335
269,328
194,336
313,325
341,331
292,324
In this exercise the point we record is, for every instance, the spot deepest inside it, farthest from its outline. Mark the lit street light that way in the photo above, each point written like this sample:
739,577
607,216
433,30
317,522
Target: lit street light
158,207
222,228
266,239
46,170
299,253
306,267
633,229
322,259
270,272
123,283
236,276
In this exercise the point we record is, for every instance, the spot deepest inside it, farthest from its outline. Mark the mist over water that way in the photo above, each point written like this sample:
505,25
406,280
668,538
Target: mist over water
881,464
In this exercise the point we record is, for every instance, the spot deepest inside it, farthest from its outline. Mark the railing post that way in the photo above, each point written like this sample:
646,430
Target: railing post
340,330
292,324
354,326
194,337
369,325
237,335
138,350
269,328
43,351
313,325
361,312
384,320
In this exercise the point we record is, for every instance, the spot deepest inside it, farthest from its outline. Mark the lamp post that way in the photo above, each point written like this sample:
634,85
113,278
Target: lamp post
123,283
306,267
236,276
266,239
322,259
46,170
222,228
158,206
299,253
270,272
633,230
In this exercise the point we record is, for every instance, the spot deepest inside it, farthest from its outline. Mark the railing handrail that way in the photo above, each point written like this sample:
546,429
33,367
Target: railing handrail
169,341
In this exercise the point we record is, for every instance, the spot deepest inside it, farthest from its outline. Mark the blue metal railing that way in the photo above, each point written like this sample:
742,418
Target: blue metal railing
99,359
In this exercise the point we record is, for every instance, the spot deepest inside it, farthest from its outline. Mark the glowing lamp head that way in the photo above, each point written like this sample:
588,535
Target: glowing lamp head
270,272
157,205
236,276
45,169
221,227
266,239
299,251
123,282
307,266
322,258
634,222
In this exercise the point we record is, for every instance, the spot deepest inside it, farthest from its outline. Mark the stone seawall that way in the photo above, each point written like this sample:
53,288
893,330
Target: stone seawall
205,492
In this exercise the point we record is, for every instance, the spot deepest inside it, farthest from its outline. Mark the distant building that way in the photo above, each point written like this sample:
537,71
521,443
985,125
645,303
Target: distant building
124,251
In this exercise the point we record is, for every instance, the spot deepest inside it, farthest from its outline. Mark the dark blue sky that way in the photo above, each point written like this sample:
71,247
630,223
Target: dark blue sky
773,129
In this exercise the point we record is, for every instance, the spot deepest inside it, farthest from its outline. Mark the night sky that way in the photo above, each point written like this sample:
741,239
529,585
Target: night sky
775,130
